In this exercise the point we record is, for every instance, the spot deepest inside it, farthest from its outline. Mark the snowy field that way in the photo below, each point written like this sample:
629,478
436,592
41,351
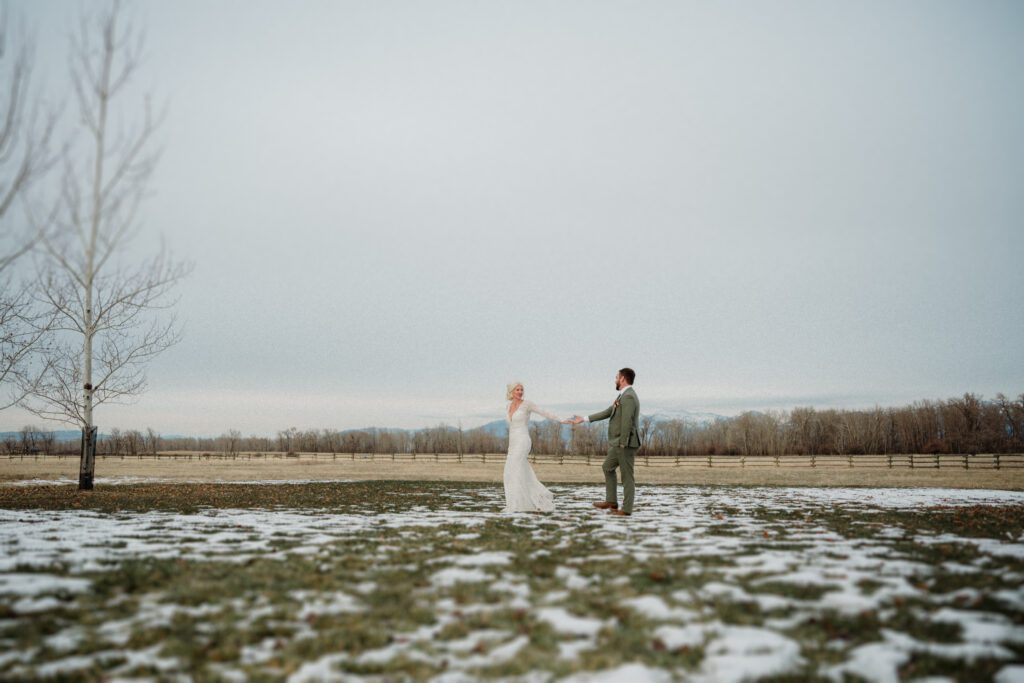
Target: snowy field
417,581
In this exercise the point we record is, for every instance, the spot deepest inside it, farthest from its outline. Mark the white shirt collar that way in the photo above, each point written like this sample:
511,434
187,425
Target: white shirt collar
628,386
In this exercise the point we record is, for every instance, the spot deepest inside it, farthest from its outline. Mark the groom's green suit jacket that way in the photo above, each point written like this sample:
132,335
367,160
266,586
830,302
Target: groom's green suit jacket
623,420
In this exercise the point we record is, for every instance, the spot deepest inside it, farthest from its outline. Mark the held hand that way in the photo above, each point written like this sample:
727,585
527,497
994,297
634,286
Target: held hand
577,420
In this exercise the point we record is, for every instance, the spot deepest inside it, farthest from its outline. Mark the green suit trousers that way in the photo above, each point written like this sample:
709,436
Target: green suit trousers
621,458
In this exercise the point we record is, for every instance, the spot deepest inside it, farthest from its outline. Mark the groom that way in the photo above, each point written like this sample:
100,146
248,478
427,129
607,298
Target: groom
623,442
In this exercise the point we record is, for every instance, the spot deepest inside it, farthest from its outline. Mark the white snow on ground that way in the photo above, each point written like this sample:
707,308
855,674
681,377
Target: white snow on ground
473,640
676,637
40,584
567,624
65,640
873,662
627,673
1010,674
317,604
880,661
480,559
572,578
740,653
454,575
680,523
981,627
655,608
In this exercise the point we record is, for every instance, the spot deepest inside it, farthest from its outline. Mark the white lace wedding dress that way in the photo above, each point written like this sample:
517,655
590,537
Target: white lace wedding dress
523,491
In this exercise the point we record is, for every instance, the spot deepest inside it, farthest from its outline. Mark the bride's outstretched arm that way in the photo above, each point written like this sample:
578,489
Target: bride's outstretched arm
534,408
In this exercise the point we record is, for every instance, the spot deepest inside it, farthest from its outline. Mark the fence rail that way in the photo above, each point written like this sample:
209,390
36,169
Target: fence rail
890,461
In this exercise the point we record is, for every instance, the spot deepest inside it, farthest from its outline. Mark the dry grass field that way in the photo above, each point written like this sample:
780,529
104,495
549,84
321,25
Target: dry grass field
325,469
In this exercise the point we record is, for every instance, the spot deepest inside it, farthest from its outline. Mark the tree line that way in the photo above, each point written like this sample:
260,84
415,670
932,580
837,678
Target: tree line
969,424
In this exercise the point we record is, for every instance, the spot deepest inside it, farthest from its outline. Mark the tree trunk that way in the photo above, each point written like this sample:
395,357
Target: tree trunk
88,465
89,455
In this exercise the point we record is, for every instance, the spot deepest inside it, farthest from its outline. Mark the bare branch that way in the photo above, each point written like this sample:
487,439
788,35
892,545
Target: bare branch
25,157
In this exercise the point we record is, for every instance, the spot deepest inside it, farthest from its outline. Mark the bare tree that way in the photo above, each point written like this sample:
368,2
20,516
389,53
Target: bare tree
133,441
286,440
646,431
108,304
47,440
231,440
152,441
331,439
25,157
29,437
115,441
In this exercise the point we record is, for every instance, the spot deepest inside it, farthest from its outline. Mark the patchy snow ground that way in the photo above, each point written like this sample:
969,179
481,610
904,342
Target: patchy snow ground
702,583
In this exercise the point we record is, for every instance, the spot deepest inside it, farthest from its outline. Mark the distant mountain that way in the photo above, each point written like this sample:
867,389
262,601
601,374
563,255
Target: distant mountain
500,427
60,435
385,430
688,416
497,428
65,435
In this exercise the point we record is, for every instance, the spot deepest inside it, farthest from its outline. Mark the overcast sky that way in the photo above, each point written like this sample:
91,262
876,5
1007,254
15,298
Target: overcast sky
394,208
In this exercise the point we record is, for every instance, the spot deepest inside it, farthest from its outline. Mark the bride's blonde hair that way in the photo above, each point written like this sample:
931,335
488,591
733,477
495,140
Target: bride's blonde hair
509,388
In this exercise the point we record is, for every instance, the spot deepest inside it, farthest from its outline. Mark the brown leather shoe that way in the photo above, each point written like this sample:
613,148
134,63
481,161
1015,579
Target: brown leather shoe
605,505
617,511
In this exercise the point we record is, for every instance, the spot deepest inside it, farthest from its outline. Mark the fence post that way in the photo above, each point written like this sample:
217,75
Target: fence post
709,460
966,466
997,461
911,461
890,460
743,462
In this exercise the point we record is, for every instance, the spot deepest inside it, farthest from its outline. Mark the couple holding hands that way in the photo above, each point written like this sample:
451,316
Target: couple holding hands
525,493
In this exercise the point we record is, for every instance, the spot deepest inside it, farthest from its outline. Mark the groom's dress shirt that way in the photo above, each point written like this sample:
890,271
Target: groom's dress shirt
586,418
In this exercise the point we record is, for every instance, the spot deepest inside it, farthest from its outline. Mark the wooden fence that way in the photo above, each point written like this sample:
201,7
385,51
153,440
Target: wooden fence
910,461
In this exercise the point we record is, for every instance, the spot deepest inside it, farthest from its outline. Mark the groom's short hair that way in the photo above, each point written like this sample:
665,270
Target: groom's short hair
628,374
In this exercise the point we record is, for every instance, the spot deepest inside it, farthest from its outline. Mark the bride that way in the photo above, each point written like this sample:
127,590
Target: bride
523,491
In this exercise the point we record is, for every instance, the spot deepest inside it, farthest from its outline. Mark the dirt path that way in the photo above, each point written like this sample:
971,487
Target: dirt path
303,469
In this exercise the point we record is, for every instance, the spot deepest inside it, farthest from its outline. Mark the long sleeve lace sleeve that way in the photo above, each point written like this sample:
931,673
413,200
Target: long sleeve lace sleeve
534,408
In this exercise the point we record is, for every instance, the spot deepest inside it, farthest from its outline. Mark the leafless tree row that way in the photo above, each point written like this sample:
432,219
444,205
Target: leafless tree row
29,441
967,424
960,425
